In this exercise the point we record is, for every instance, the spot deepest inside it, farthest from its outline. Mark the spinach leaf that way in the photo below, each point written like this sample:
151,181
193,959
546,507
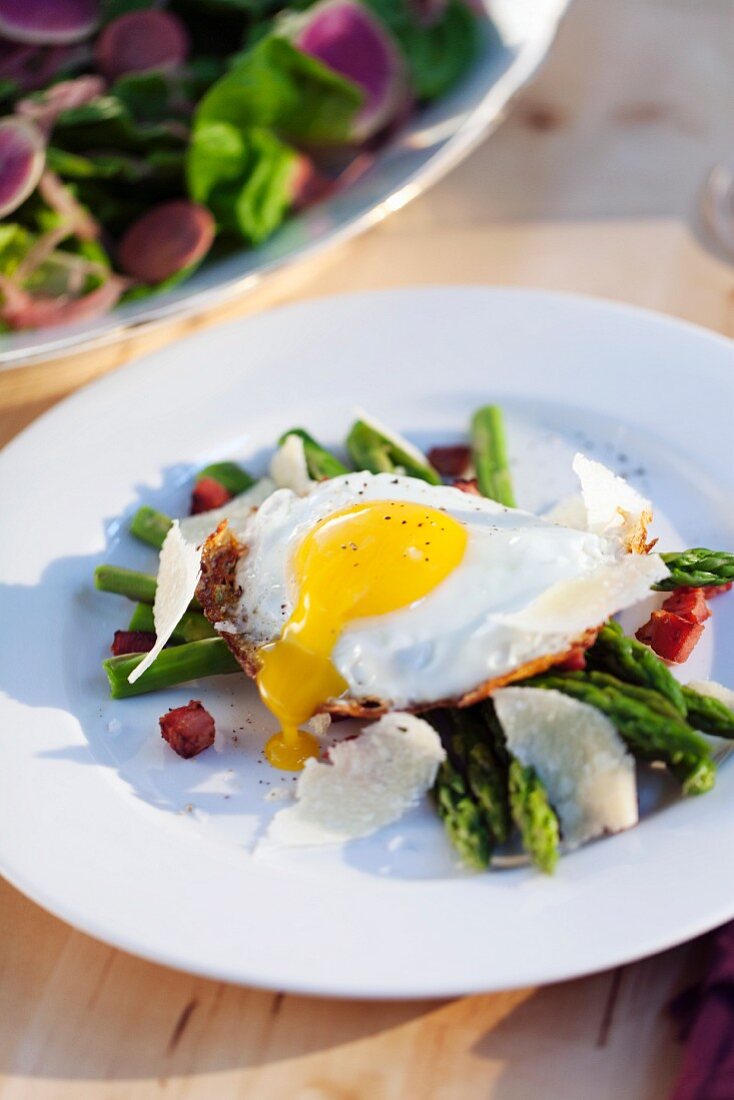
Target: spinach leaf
276,86
107,123
437,55
244,176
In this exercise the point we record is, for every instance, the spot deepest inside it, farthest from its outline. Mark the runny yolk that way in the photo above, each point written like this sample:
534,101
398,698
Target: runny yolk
368,559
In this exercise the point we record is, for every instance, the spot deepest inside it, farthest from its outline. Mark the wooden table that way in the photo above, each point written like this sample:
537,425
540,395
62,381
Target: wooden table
591,185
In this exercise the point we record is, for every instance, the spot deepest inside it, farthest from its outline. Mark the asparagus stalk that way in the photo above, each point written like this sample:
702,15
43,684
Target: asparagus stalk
485,770
320,462
374,449
191,628
647,721
150,526
490,455
192,661
234,479
709,714
697,568
462,817
633,662
139,587
534,816
125,582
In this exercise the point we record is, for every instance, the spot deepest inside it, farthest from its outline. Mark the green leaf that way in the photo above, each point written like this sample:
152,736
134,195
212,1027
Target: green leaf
275,86
244,177
437,55
107,123
15,241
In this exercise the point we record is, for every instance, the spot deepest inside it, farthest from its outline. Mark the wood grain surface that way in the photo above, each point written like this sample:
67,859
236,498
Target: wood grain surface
591,185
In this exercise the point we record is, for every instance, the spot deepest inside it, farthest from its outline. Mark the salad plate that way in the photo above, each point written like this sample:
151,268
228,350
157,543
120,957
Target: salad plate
106,827
514,39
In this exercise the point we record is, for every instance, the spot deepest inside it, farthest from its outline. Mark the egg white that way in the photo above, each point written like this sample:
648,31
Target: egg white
473,627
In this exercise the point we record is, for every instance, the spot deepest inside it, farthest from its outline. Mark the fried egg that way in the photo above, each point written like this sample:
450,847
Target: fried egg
374,593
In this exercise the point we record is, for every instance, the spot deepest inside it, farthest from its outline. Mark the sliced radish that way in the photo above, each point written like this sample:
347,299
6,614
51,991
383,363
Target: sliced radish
344,35
22,157
48,22
308,183
165,240
141,41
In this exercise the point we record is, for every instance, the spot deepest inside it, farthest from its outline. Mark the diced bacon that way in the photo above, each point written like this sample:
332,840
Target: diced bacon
689,603
467,485
670,636
711,590
208,494
450,461
132,641
188,730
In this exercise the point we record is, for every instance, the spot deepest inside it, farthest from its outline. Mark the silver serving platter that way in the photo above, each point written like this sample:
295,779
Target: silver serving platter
517,37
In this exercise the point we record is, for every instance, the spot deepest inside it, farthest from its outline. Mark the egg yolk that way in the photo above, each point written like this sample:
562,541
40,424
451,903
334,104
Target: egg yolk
365,560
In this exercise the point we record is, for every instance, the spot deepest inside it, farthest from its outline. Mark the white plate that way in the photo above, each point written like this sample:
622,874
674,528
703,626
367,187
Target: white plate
437,138
103,825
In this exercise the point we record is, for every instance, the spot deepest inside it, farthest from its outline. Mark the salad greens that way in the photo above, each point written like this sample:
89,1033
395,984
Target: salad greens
234,106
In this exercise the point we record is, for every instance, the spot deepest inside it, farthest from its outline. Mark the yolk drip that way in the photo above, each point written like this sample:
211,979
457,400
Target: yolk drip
368,559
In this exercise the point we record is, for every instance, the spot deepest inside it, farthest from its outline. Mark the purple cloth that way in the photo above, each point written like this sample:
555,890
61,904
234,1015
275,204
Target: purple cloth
707,1014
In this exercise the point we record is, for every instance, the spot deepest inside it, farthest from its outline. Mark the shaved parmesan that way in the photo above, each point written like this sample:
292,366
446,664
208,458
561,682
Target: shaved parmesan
579,756
196,529
178,575
288,467
370,782
714,690
613,507
572,606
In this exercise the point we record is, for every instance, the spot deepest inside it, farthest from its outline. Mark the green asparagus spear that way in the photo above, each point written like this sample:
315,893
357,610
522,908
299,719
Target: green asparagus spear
653,731
125,582
697,568
462,818
234,479
708,714
150,526
191,628
379,451
633,662
490,455
177,665
534,816
485,770
320,462
139,587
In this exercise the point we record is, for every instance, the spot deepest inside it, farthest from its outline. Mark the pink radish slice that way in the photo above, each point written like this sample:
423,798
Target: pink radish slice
344,35
48,22
22,158
165,240
140,41
45,109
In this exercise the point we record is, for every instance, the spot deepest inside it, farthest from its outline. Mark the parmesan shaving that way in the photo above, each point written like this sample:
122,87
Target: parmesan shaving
613,507
178,575
570,511
572,606
579,756
714,690
370,782
288,466
196,529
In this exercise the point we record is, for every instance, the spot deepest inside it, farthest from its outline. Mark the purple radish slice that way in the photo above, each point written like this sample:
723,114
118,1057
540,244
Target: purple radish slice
166,240
48,22
344,35
32,67
22,159
141,41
